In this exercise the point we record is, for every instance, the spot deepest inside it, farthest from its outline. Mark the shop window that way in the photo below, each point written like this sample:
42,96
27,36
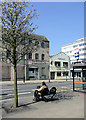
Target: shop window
43,71
65,73
58,73
52,75
42,57
57,64
65,64
36,56
30,56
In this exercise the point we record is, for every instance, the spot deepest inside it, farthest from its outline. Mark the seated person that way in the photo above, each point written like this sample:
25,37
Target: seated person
43,89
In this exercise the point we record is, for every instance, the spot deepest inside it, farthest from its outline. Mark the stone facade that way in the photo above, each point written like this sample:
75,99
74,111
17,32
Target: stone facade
38,68
32,67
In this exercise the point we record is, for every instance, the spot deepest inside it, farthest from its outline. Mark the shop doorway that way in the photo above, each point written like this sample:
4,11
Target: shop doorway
79,85
52,75
33,73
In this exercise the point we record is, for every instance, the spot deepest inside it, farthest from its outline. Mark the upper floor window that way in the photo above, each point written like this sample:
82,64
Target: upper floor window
42,57
30,56
82,44
75,46
36,43
65,64
36,56
42,45
57,64
30,41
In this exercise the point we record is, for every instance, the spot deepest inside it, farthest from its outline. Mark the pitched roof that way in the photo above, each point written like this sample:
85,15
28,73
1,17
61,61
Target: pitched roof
39,37
58,54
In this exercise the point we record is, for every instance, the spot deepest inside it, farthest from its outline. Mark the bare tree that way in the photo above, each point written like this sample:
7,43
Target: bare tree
17,27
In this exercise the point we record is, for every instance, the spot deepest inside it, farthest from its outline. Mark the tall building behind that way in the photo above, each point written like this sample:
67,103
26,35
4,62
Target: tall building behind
79,48
77,53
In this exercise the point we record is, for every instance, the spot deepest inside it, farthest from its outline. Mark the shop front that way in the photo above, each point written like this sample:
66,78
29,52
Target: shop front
79,84
33,73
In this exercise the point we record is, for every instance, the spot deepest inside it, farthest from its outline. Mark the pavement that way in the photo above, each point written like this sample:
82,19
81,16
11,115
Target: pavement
63,108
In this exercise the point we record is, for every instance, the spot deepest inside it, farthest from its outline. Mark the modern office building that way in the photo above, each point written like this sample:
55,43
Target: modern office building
33,66
77,53
60,66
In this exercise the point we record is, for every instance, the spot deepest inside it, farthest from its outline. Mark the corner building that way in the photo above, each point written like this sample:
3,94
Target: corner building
37,63
33,66
60,66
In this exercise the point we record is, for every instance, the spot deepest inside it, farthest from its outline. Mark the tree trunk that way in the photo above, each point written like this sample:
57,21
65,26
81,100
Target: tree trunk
15,86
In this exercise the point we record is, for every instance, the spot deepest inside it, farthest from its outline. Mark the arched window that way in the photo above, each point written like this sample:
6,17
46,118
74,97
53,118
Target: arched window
36,56
30,56
30,41
36,43
42,45
42,57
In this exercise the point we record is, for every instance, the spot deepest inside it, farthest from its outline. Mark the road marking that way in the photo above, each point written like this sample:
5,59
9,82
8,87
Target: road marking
64,87
20,93
77,88
7,89
24,93
10,99
71,89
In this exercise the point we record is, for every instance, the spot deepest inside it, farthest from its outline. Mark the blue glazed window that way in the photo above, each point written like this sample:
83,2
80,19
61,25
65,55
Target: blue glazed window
42,45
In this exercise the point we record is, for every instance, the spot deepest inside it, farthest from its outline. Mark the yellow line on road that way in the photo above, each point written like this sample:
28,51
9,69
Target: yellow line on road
64,87
10,99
